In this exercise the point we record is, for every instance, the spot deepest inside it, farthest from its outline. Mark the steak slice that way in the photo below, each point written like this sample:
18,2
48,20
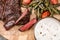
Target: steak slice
9,24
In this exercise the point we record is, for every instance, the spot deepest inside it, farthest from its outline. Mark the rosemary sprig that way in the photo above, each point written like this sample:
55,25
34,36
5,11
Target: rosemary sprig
41,6
38,14
55,10
50,11
57,5
37,5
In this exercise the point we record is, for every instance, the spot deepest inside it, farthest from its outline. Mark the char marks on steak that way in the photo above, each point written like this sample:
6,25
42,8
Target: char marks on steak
10,12
1,10
9,24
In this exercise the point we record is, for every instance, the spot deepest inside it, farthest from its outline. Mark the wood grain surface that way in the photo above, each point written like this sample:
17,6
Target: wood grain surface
15,34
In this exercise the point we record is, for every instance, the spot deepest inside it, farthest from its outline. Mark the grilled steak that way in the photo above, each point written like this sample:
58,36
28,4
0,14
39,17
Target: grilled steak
1,9
10,11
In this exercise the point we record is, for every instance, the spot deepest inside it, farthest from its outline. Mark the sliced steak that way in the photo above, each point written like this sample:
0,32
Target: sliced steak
9,24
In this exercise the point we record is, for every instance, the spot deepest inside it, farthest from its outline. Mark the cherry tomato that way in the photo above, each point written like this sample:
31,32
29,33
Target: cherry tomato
45,14
54,1
26,2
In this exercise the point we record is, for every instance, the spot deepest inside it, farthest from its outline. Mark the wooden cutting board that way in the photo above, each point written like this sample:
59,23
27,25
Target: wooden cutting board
15,34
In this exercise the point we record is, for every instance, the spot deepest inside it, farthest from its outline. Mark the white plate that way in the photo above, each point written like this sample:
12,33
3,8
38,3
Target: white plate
47,29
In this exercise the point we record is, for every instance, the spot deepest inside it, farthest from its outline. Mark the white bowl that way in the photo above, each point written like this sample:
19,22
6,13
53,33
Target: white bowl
47,29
